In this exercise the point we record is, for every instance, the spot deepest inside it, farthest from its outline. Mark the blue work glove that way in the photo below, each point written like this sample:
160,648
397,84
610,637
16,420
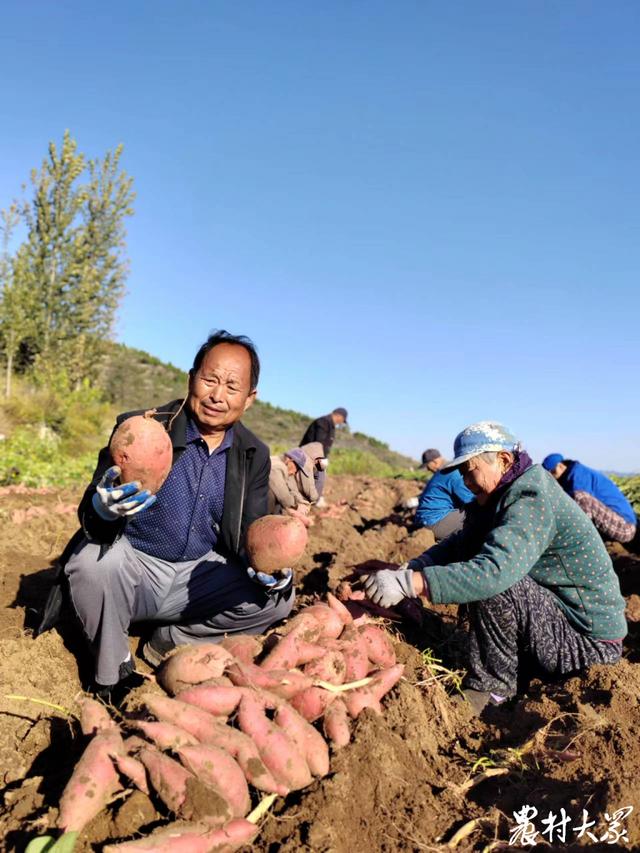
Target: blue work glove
272,583
389,587
115,502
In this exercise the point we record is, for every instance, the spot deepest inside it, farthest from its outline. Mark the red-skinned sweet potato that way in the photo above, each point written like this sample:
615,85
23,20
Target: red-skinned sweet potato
181,837
92,784
216,700
194,720
312,702
282,682
277,751
192,665
168,777
298,646
275,542
219,770
166,735
133,770
331,667
141,447
354,650
338,607
336,724
380,649
244,647
94,717
309,742
370,696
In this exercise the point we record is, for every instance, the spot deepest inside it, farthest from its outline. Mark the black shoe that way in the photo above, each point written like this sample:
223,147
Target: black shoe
155,649
114,694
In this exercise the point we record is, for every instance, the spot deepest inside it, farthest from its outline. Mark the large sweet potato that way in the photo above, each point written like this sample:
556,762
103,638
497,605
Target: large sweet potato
192,665
244,647
217,700
181,837
331,667
141,447
92,784
310,743
201,724
133,770
94,717
168,777
370,696
380,649
312,702
277,751
275,542
219,770
336,724
166,735
354,650
282,682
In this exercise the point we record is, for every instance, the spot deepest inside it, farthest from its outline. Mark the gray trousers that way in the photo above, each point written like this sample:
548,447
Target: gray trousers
195,601
451,523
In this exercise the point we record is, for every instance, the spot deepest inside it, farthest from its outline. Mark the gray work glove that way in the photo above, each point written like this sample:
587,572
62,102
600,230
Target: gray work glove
389,587
115,502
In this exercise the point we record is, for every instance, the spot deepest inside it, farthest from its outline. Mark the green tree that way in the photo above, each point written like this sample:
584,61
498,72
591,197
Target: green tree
15,297
74,257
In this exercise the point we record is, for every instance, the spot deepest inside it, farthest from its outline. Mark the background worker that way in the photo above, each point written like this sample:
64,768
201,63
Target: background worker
532,567
442,504
323,429
291,485
596,495
318,463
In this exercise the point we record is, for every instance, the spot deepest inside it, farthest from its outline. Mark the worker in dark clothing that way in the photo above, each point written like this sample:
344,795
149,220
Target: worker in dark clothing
324,429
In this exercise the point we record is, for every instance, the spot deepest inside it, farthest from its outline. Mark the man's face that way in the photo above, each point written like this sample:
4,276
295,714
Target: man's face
337,419
558,471
435,464
220,392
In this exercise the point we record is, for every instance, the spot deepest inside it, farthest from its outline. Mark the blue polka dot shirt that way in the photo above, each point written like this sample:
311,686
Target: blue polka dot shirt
184,522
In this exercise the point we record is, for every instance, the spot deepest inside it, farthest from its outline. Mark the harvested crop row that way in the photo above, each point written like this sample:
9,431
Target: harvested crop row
236,716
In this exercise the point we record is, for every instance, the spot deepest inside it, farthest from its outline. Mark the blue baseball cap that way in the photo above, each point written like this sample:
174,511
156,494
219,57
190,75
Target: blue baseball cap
299,457
549,462
479,438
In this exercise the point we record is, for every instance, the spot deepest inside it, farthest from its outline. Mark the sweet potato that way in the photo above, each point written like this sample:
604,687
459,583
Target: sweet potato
166,735
277,751
330,621
297,647
219,770
312,702
92,784
336,724
168,777
380,649
282,682
201,724
275,542
181,837
94,717
338,607
244,647
133,770
309,742
219,701
370,696
332,668
141,447
354,650
192,665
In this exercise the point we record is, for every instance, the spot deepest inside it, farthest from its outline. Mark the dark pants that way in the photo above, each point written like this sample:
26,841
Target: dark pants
451,523
526,620
194,601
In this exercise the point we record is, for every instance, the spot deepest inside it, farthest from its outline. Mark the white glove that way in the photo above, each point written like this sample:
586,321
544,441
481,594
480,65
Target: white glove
389,587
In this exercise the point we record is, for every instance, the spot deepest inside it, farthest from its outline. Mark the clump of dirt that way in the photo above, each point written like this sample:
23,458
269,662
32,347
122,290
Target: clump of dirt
409,780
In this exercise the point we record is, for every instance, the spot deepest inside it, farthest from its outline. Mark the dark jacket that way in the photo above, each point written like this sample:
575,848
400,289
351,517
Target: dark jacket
323,430
246,485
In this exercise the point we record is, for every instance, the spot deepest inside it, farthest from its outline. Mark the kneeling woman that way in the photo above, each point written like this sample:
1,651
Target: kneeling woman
530,563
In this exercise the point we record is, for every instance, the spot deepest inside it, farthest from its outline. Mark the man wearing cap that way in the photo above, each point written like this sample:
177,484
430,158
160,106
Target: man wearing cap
291,484
596,495
323,429
443,502
530,564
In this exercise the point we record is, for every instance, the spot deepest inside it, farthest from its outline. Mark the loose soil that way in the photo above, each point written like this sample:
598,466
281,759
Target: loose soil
409,781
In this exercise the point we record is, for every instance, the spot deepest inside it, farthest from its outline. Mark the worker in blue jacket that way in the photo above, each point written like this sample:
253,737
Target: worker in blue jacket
597,495
442,503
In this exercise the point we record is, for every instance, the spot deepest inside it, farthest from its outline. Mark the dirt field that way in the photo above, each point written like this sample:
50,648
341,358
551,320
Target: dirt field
404,783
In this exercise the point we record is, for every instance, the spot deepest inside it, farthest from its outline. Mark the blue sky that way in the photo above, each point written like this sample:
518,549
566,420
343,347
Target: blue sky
425,212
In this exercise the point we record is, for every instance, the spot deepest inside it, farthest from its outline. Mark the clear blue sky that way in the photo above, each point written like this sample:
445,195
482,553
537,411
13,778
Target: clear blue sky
426,212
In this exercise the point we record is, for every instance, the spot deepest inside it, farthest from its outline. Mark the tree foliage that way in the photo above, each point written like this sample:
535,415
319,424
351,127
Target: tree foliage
62,287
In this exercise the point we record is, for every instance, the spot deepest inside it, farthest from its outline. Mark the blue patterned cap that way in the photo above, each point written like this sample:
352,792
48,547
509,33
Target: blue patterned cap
298,456
480,438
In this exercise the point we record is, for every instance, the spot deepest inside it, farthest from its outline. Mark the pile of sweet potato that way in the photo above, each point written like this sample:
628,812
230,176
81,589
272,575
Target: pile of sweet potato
238,714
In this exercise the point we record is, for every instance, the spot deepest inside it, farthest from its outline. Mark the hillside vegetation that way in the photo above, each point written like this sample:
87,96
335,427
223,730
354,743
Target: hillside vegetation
52,434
